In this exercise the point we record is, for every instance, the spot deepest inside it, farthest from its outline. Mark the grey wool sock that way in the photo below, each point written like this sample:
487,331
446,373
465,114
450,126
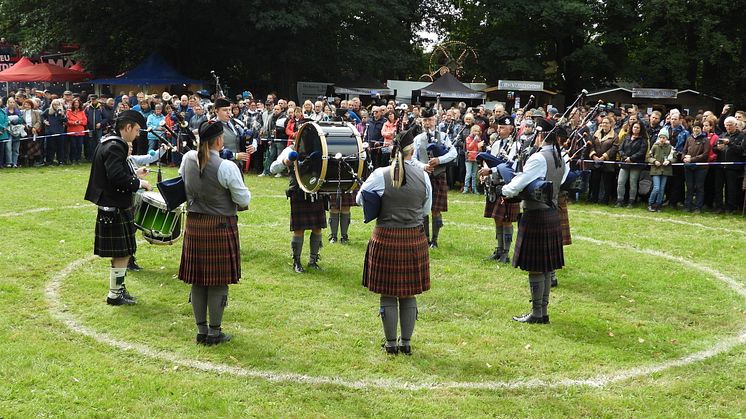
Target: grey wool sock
296,243
116,280
407,317
437,224
315,244
499,237
217,299
547,289
198,298
390,318
536,284
334,223
344,223
507,236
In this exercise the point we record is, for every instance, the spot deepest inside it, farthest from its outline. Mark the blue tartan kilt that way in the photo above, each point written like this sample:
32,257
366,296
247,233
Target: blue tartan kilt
115,234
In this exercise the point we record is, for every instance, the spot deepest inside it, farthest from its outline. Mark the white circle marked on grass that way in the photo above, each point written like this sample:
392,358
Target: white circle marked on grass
59,311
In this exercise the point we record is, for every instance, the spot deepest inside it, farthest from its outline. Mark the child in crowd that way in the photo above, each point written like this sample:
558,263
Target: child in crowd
661,156
472,149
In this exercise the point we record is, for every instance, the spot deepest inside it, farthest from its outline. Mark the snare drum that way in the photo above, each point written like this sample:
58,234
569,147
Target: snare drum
158,225
318,144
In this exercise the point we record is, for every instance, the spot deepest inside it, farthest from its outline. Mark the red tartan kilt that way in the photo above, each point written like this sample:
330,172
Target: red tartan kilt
33,148
501,210
211,254
440,193
306,214
564,219
397,262
348,200
538,247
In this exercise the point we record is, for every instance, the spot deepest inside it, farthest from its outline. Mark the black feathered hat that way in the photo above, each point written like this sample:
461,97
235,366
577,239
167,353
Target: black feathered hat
222,103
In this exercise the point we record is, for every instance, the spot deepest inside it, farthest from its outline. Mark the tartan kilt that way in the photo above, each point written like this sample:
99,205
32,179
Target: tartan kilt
33,148
306,214
397,262
502,210
211,254
440,193
564,219
348,200
115,234
538,247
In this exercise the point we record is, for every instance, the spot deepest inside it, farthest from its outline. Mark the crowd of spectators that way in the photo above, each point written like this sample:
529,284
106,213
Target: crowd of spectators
660,156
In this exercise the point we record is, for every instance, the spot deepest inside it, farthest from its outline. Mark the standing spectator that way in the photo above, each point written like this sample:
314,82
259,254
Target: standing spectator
54,120
274,147
633,150
696,150
76,123
154,124
95,125
107,115
32,120
4,138
373,135
603,148
13,147
186,111
729,148
472,149
388,132
678,138
293,126
308,112
708,126
661,156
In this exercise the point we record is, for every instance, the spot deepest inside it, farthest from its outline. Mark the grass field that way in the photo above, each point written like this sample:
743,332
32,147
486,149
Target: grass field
649,320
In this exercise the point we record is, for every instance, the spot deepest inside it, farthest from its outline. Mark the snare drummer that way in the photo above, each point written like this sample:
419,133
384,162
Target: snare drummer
306,212
111,185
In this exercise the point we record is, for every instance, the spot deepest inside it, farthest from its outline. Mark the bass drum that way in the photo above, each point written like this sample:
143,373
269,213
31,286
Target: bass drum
317,169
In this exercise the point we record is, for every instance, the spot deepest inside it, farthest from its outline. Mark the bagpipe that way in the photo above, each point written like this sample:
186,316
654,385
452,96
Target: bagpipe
437,150
540,189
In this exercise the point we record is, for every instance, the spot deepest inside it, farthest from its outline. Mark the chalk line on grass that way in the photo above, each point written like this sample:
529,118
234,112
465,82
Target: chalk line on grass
59,312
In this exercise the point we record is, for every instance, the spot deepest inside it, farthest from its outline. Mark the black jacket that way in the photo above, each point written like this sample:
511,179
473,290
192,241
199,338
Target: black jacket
112,181
635,150
733,151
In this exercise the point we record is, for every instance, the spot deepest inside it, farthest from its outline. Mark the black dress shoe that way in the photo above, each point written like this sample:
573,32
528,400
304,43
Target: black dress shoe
297,267
201,338
332,239
504,258
529,318
433,244
545,319
553,283
217,340
121,300
496,254
133,266
405,349
344,239
313,263
391,350
127,295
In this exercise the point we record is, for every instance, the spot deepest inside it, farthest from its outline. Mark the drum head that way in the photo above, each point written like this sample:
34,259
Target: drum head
317,170
155,199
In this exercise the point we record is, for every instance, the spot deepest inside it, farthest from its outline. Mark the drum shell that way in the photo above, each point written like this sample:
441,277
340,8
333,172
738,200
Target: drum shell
327,174
158,225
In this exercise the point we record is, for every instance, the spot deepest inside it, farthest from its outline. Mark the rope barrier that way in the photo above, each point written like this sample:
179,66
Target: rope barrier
724,163
40,137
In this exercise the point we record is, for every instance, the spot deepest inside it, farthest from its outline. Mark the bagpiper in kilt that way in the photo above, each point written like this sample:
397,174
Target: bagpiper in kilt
307,212
425,147
211,255
504,213
538,247
397,260
111,185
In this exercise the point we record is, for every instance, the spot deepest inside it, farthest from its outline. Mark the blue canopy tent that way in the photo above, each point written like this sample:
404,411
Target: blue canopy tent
154,70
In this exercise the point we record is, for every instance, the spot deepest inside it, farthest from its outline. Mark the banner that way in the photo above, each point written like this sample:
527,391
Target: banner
654,93
520,85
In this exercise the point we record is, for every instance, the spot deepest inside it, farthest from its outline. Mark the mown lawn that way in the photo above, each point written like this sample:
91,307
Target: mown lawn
619,307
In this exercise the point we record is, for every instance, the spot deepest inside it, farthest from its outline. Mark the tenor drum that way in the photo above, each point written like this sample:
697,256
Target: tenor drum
321,147
158,225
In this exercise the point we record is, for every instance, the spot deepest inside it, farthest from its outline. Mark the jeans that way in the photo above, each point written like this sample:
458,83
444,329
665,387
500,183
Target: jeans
695,187
15,151
659,186
274,150
471,176
152,144
633,175
76,147
5,152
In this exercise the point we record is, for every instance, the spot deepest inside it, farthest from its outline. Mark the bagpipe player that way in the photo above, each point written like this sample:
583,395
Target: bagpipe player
539,247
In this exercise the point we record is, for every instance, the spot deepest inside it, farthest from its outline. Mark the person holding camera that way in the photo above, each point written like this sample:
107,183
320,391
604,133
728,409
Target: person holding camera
54,121
696,150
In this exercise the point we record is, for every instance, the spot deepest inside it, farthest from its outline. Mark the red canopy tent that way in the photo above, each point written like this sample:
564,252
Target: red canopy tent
17,68
77,67
44,72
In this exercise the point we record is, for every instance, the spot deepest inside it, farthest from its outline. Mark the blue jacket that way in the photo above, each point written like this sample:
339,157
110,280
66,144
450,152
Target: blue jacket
374,131
56,123
678,137
154,123
3,124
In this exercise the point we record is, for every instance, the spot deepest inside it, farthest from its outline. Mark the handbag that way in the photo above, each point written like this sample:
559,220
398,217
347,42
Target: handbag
173,192
17,130
644,185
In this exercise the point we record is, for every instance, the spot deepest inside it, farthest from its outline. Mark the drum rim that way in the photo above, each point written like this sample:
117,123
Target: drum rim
155,199
325,157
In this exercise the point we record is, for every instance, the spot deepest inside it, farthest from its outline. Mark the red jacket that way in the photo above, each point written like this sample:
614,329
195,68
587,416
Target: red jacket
291,129
472,147
76,122
713,142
